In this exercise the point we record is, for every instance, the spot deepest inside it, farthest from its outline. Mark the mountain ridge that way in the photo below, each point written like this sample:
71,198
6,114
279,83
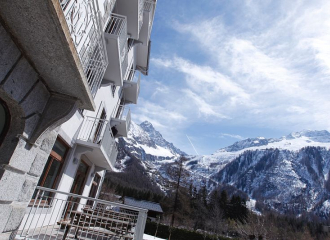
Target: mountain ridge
287,174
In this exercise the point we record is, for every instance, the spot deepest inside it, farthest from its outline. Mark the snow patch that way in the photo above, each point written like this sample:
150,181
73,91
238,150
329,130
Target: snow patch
158,151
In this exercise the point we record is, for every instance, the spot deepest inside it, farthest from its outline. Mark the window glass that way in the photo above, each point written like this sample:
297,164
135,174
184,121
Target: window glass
52,174
60,148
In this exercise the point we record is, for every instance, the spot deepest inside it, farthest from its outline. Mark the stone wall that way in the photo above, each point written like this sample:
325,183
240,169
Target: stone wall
21,162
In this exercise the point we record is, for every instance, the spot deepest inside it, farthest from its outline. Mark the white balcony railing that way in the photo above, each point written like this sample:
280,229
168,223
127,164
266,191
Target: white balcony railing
131,88
121,119
59,215
98,131
150,7
117,26
127,118
108,6
84,24
140,16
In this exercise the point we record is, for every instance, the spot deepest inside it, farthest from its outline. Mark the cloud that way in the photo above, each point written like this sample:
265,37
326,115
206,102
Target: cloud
223,135
253,64
265,77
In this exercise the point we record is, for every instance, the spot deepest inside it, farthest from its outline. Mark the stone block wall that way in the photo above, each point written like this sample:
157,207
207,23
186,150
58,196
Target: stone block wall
21,162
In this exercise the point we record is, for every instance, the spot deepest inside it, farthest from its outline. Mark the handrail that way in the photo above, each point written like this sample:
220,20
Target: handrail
79,216
92,199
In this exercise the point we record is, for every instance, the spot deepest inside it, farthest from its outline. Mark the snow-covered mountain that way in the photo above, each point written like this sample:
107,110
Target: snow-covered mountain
211,164
145,143
289,174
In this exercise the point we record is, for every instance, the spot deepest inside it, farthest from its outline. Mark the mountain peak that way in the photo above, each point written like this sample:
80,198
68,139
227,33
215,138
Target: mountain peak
314,135
305,138
146,124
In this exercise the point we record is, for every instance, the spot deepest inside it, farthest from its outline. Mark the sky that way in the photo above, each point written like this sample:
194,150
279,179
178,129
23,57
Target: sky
225,70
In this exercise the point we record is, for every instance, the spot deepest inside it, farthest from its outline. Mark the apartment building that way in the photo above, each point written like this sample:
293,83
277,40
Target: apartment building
68,71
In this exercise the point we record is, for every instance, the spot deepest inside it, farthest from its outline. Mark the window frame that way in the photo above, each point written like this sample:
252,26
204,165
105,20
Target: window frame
55,157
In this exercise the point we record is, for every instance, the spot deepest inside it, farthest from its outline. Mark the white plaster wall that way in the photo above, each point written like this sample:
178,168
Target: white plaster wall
69,130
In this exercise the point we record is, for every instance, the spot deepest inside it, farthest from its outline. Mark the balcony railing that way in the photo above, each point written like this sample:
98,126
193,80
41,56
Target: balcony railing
108,6
97,133
84,24
54,214
117,25
121,120
141,8
131,88
116,35
150,7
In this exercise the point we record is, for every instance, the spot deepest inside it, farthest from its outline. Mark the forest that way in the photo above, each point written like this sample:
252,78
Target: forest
217,214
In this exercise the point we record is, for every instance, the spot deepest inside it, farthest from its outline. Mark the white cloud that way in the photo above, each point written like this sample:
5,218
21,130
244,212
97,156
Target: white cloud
223,135
267,65
275,76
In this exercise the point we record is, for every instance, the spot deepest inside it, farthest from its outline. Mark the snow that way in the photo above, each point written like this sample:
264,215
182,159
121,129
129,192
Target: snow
148,237
251,204
158,151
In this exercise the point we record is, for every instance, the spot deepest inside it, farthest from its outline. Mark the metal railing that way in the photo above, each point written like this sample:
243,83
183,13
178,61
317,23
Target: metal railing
54,214
98,131
108,6
84,24
150,6
140,16
117,25
127,117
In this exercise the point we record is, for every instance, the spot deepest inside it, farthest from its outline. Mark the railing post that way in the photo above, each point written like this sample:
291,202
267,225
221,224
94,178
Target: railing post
140,225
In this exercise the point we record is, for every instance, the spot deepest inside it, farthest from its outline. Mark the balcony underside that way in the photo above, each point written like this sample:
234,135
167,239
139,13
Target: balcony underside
41,31
98,156
142,59
113,74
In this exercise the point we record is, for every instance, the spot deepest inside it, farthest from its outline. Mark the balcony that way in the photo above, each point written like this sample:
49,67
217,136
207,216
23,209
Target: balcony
83,21
148,19
131,88
96,133
60,215
121,121
116,46
106,10
63,41
133,9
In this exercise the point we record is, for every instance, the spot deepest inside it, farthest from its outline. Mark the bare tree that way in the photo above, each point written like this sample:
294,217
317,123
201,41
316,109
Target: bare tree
177,173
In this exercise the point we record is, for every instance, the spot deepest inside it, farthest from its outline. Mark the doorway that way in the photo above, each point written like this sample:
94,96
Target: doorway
77,188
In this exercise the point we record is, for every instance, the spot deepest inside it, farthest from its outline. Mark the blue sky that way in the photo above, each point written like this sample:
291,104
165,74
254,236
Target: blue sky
221,71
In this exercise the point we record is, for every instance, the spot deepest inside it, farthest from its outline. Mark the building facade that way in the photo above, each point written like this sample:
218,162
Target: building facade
68,71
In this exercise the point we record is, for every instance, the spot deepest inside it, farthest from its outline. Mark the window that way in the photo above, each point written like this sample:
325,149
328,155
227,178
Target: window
53,166
4,120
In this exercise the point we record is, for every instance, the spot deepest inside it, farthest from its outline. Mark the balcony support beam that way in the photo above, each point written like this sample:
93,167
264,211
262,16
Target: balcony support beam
80,150
58,110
